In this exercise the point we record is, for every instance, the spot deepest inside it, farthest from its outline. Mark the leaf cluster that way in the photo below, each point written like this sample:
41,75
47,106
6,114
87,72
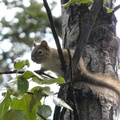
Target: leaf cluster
23,103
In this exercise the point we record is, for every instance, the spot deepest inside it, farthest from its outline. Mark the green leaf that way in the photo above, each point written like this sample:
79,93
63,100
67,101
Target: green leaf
23,85
20,63
27,63
68,3
5,104
38,79
49,93
39,92
59,80
35,77
38,95
46,88
80,1
107,6
15,115
85,1
104,1
46,91
23,104
110,10
28,74
32,103
61,103
39,88
44,111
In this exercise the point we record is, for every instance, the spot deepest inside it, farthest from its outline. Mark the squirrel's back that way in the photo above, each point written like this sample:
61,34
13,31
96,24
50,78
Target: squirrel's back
49,59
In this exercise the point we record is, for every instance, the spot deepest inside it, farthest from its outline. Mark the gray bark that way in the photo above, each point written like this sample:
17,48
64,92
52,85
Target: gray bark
100,55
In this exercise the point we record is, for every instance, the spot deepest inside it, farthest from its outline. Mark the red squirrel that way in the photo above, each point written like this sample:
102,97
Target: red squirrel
49,59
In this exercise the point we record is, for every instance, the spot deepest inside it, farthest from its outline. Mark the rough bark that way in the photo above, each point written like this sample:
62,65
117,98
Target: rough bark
100,55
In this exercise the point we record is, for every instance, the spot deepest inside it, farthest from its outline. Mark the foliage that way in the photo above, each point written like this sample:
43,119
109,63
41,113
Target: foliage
28,23
79,1
106,3
22,103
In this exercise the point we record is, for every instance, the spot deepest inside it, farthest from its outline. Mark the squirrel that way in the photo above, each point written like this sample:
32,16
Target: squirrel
49,59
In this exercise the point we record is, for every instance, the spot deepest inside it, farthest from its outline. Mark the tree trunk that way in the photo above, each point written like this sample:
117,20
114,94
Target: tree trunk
100,56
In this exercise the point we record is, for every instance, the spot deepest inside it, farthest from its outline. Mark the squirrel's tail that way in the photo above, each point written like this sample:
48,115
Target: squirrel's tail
99,79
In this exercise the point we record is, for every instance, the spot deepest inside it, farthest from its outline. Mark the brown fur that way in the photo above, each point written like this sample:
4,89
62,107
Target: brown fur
100,80
49,59
98,83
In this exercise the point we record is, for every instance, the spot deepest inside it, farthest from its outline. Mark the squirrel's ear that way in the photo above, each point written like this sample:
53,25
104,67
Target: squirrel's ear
45,44
35,44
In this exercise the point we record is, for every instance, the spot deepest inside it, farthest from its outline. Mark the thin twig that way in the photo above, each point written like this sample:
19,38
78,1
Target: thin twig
55,36
21,72
71,86
116,8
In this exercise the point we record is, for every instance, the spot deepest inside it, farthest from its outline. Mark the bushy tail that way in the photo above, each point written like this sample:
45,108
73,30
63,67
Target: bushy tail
99,79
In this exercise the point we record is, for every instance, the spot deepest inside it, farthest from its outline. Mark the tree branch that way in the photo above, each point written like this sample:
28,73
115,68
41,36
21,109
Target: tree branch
55,36
85,33
72,91
116,8
21,72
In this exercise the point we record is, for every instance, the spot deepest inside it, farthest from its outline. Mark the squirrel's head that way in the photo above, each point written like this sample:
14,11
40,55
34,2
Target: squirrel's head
41,52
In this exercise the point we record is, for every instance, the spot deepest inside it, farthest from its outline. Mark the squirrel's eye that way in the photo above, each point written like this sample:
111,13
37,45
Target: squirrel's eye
40,52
